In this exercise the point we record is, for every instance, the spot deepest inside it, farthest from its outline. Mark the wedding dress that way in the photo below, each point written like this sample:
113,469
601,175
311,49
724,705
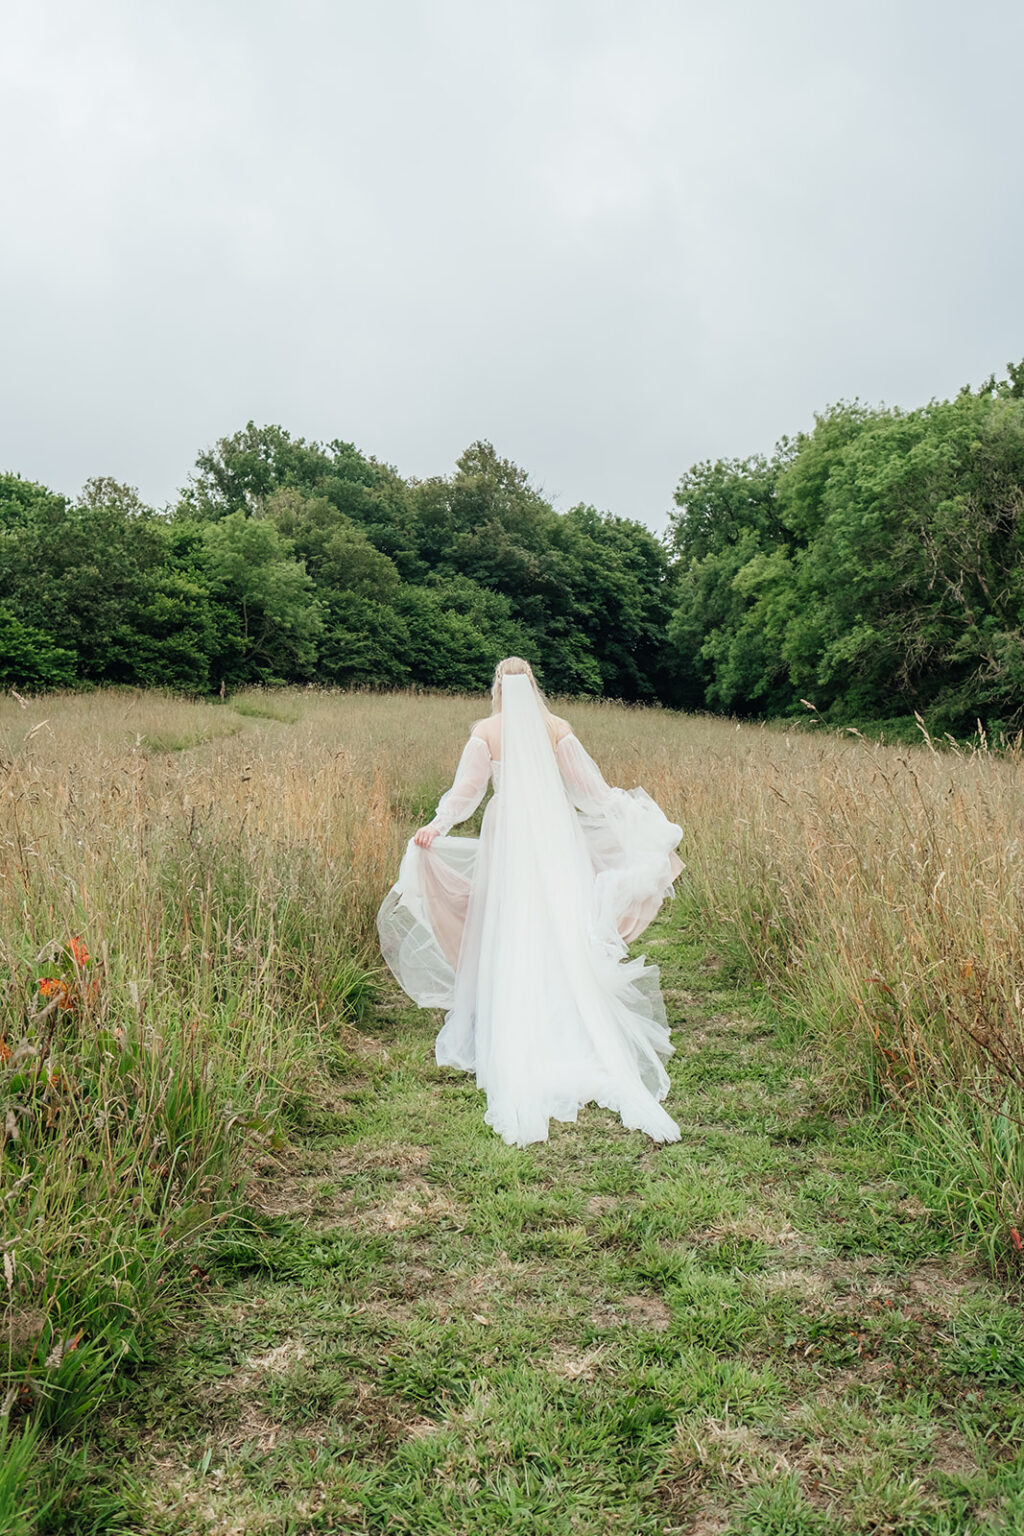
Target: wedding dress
521,934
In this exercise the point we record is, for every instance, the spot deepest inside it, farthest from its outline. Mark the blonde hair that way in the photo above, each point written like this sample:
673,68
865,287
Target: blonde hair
516,666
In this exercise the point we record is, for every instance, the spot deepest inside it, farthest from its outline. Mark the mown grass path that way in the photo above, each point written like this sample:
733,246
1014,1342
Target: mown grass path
761,1330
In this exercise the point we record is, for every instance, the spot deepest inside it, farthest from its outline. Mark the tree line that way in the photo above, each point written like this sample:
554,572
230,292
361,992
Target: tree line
872,566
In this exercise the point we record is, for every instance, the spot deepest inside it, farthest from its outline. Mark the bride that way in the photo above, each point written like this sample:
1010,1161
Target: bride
521,935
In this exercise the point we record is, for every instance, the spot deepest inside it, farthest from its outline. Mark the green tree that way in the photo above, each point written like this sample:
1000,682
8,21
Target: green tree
242,471
618,592
266,618
875,566
489,526
29,660
912,592
445,649
85,574
727,527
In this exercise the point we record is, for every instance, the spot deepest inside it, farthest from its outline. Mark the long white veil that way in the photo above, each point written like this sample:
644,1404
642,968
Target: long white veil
518,935
561,1018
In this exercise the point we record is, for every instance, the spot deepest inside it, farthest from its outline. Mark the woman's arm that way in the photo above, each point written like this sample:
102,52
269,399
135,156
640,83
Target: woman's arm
582,777
465,795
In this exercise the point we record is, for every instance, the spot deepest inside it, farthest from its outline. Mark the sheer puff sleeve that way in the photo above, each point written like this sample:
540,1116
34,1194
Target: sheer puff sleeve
422,917
471,777
630,840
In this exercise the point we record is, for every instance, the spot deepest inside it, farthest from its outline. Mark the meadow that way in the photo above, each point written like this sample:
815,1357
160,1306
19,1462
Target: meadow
264,1269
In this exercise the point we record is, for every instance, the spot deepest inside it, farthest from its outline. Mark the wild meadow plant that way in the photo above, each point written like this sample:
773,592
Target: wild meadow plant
184,920
186,933
879,892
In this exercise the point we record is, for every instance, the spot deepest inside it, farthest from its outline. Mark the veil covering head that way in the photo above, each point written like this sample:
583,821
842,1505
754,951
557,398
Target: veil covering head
517,666
519,934
511,666
556,1021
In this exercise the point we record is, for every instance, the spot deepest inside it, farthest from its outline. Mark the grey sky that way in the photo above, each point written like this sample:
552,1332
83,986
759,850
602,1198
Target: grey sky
613,238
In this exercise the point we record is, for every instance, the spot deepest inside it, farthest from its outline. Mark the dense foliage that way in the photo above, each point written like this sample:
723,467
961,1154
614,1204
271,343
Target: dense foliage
872,566
288,561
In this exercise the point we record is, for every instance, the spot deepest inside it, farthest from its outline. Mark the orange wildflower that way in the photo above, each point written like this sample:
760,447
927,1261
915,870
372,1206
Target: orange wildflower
79,951
61,991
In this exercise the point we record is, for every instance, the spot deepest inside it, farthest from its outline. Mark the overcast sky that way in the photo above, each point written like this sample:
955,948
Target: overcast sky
612,236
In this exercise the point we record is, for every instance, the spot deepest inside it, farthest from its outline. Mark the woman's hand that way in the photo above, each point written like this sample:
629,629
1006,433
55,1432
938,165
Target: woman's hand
425,836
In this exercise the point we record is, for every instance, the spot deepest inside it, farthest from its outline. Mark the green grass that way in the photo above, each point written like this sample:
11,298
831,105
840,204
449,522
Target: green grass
256,707
764,1330
185,741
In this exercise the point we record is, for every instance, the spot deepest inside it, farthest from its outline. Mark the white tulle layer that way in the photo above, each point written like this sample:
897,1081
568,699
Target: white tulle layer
522,940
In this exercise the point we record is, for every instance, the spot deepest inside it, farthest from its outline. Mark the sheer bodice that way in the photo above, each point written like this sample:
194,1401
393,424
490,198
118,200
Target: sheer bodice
521,936
625,830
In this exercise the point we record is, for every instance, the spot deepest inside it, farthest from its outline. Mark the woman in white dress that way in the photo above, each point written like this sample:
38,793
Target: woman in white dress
521,934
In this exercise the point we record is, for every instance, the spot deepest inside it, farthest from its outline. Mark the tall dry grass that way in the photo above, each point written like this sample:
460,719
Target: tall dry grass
879,892
222,864
185,926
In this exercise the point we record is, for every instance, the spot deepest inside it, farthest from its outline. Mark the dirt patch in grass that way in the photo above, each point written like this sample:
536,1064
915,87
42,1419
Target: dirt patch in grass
841,1385
942,1287
808,1283
419,1429
383,1419
410,1205
678,998
710,1522
757,1227
690,1510
403,1157
721,1451
214,1503
251,1427
602,1205
290,1187
648,1312
223,1393
573,1364
286,1195
365,1047
950,1453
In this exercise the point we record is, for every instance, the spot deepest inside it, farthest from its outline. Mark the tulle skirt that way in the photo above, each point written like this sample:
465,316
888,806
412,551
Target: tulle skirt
543,1003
